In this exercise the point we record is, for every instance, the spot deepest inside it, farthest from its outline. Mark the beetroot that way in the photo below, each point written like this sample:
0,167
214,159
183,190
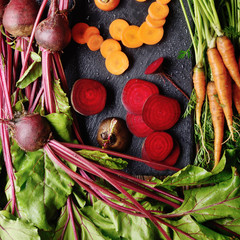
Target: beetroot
158,145
161,112
137,126
88,96
154,66
31,131
2,7
53,33
19,17
135,93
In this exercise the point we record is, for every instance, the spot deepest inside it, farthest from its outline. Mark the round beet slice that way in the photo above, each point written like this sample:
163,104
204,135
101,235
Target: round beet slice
135,93
137,126
170,160
161,112
88,96
158,145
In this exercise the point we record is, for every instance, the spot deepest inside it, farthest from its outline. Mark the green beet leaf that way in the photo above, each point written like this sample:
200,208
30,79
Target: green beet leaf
15,228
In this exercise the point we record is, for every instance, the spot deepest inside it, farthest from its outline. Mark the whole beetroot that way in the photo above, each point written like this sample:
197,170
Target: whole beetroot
2,7
19,17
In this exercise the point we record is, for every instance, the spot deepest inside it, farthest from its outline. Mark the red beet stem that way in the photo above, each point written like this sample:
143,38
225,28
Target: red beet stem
70,212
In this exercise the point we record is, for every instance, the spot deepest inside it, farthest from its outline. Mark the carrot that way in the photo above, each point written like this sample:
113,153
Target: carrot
106,5
199,82
226,49
78,32
149,35
117,62
130,37
158,11
141,0
117,27
89,32
223,85
108,46
236,97
163,1
217,120
155,23
94,42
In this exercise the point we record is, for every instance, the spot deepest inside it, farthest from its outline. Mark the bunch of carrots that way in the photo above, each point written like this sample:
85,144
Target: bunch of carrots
216,77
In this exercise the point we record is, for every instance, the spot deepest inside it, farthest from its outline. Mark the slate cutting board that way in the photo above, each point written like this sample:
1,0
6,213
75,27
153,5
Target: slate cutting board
80,62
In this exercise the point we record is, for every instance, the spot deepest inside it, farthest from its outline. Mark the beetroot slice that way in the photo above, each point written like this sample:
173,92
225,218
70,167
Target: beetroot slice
137,126
170,160
135,93
154,66
158,145
88,96
161,112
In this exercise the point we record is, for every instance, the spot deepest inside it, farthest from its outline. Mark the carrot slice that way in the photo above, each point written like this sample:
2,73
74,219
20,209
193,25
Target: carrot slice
78,31
108,46
94,42
130,37
158,11
163,1
155,23
89,32
141,0
117,27
117,62
106,5
149,35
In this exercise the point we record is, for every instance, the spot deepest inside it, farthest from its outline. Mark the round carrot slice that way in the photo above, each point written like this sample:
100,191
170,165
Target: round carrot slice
107,5
94,42
158,11
155,23
78,31
108,46
149,35
130,37
117,62
117,27
89,32
163,1
161,112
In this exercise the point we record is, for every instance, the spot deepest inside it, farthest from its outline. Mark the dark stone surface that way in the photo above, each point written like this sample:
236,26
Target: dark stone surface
80,62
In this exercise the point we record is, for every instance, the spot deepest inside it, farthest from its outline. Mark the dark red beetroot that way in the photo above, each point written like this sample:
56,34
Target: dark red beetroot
53,33
88,96
158,145
31,132
19,17
135,93
170,160
137,126
2,7
161,112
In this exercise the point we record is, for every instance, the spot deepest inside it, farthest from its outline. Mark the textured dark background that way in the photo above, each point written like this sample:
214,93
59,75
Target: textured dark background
80,62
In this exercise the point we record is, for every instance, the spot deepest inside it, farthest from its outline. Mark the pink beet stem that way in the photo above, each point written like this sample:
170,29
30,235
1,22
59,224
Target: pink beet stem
70,212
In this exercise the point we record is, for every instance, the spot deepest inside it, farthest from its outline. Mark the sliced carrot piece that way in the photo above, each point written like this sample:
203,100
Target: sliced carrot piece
130,37
89,32
155,23
149,35
94,42
117,62
78,32
106,5
108,46
163,1
117,27
141,0
158,11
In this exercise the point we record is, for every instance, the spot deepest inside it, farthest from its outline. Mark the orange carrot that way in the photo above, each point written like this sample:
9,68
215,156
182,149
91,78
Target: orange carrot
217,120
199,82
236,97
108,46
89,32
117,27
94,42
78,32
155,23
149,35
117,62
163,1
130,37
158,11
223,85
226,49
106,5
141,0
